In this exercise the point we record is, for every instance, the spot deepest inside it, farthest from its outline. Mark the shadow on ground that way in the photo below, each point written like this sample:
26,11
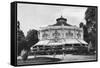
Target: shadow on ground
46,59
38,60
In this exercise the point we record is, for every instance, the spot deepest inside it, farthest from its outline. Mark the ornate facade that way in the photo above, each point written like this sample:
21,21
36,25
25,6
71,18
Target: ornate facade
61,33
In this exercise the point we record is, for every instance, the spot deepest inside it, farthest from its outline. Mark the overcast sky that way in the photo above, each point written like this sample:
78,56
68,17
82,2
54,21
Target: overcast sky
34,16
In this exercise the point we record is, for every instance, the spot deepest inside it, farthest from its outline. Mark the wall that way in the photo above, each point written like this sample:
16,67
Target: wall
61,32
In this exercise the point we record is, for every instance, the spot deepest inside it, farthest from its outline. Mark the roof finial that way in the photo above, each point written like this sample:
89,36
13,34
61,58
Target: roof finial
61,16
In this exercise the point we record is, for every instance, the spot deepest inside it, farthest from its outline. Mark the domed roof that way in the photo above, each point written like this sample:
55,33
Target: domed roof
61,18
60,22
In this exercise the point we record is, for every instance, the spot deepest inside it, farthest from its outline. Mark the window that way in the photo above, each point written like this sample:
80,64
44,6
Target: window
56,34
69,33
45,35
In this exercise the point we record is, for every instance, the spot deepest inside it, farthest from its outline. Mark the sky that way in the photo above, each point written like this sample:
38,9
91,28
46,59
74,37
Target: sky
34,16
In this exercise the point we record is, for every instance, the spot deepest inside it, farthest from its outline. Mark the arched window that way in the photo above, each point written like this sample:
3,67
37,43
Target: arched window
45,35
56,34
69,33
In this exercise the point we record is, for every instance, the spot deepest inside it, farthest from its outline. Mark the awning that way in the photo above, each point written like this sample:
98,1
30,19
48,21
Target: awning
60,42
71,41
42,42
49,43
82,41
75,41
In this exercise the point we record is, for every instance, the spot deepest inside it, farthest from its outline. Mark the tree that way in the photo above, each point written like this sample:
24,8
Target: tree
32,37
21,43
91,14
85,34
81,25
91,21
20,39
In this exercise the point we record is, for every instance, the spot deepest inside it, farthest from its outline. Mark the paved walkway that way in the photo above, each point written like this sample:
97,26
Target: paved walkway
62,58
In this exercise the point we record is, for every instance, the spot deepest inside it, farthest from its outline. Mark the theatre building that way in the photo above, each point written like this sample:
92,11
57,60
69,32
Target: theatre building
60,36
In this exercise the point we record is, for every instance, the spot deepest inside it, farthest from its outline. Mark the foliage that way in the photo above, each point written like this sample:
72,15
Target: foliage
21,42
32,37
90,29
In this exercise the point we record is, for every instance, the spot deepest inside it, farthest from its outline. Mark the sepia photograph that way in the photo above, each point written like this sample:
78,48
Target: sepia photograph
55,33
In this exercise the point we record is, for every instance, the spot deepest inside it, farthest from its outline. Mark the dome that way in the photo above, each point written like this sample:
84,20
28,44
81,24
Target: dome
61,18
